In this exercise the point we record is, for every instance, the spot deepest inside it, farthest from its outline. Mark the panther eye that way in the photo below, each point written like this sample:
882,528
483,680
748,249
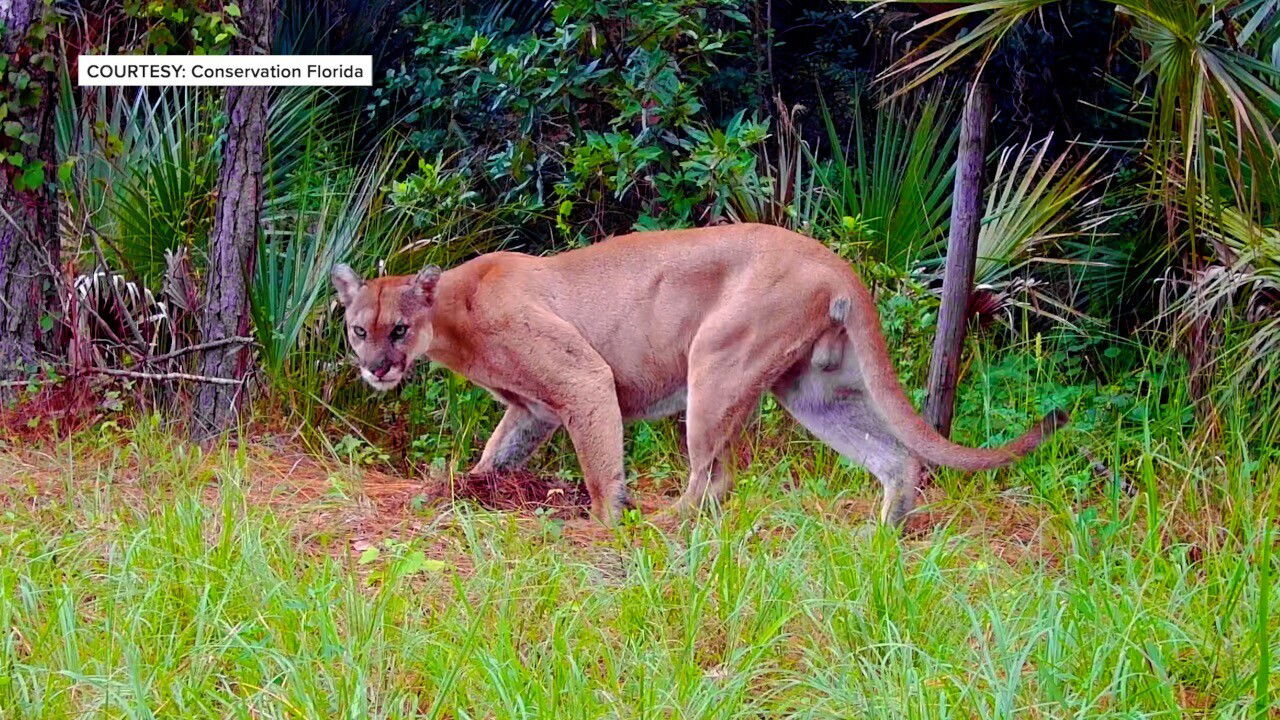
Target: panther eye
398,331
359,331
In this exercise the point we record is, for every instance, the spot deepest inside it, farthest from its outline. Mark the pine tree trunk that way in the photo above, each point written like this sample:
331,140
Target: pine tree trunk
962,252
31,330
234,241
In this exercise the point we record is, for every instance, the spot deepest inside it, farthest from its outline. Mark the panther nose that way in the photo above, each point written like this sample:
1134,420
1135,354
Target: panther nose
382,369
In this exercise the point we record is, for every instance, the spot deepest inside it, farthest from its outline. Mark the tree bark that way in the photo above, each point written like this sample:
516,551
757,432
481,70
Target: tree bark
233,243
962,249
31,328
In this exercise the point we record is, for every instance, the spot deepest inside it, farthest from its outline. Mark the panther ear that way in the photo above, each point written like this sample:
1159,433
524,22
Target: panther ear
424,283
346,282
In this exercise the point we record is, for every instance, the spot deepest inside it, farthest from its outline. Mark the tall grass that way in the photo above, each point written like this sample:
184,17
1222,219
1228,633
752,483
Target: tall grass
1037,592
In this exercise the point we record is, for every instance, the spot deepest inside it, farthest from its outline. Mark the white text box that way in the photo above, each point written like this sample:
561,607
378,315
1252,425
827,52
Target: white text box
226,70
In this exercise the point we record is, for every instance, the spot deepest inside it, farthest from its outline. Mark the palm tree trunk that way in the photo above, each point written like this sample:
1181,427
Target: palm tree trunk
30,312
234,241
962,252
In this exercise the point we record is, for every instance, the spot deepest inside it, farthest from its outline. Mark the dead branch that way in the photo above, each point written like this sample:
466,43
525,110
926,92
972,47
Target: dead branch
166,376
234,340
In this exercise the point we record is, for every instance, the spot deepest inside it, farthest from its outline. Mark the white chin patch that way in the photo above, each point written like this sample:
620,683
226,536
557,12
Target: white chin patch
388,381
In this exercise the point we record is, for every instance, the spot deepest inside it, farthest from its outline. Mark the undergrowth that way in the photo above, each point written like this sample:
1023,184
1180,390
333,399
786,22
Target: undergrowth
1126,569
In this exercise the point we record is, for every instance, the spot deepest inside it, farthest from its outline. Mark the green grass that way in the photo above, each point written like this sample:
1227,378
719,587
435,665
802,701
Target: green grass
140,578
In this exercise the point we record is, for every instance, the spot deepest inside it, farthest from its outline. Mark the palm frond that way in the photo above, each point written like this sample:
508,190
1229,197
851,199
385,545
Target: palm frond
1242,286
1035,204
304,236
930,59
1210,72
1030,202
893,179
162,180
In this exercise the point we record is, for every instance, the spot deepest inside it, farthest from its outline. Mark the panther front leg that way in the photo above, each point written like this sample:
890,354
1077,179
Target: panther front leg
519,434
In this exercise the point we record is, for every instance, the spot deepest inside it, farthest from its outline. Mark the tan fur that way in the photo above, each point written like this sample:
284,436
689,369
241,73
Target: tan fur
648,324
828,349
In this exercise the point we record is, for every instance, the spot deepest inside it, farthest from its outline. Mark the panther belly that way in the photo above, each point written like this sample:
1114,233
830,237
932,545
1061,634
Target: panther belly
663,406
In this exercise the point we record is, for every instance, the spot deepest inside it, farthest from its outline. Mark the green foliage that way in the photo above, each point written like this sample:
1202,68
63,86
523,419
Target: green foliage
449,419
1035,207
1207,89
196,27
1240,293
432,195
1215,88
595,112
451,220
891,183
1208,76
718,175
25,84
358,452
1030,203
327,216
142,169
163,160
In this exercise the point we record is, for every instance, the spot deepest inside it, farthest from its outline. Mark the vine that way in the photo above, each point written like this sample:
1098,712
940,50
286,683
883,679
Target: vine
27,72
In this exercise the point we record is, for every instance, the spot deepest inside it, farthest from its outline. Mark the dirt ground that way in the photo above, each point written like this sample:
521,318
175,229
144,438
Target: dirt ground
339,509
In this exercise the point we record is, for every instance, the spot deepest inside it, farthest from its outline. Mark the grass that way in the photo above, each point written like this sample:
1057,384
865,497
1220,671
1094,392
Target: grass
141,577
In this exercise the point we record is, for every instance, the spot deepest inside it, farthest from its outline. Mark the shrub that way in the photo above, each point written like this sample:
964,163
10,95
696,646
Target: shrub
597,113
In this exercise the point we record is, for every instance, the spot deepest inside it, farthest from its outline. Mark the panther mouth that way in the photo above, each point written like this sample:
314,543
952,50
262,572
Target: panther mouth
385,383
